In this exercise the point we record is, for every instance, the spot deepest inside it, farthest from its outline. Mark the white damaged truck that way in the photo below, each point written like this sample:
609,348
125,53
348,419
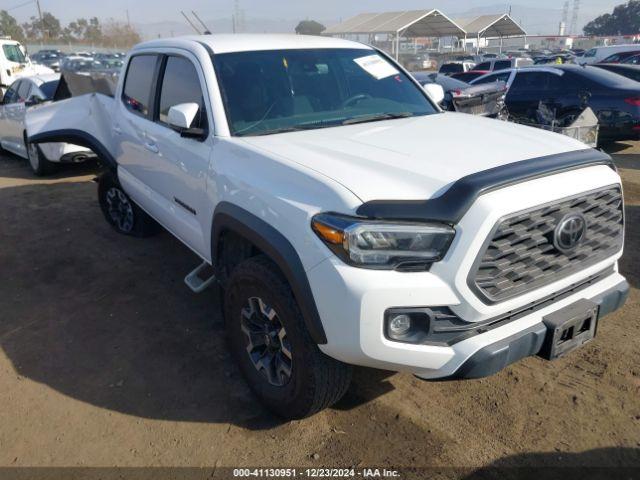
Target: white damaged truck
347,218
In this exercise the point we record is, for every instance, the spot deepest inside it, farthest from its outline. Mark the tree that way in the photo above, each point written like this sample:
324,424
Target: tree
118,34
9,26
311,27
625,20
49,27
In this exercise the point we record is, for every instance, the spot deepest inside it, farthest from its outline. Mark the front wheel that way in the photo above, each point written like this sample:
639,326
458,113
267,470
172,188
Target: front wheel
272,346
40,165
121,212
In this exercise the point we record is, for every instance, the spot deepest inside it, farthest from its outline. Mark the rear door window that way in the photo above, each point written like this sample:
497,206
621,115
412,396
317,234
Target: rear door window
11,96
502,64
483,66
23,91
137,93
496,77
181,84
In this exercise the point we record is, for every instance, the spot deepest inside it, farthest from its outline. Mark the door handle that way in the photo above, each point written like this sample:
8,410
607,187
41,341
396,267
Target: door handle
152,147
117,130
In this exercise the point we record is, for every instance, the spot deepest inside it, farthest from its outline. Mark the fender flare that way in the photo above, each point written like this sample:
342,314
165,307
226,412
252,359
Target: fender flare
80,138
238,220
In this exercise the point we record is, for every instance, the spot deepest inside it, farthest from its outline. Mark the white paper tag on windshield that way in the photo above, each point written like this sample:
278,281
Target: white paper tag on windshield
377,67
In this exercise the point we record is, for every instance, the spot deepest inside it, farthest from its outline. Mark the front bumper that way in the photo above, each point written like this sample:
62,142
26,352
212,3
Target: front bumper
493,358
352,302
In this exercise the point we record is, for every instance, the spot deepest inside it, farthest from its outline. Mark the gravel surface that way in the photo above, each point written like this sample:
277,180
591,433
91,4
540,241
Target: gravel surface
107,359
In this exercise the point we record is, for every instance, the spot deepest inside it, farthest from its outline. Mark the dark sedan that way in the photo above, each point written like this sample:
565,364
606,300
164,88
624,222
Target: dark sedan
630,71
567,90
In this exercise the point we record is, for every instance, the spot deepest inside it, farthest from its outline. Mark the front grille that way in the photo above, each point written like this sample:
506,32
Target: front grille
520,255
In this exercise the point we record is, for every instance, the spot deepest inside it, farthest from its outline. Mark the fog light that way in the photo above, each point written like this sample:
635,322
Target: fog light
399,325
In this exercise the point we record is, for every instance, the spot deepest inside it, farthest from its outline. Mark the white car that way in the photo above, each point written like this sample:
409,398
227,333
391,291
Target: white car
348,219
598,54
21,96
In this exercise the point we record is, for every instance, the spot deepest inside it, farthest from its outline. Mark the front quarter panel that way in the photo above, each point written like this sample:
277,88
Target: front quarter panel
280,192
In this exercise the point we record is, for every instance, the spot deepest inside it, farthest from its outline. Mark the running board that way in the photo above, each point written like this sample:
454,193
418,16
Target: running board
195,281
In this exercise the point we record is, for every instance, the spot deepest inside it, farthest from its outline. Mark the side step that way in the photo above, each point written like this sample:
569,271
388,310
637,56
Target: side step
197,280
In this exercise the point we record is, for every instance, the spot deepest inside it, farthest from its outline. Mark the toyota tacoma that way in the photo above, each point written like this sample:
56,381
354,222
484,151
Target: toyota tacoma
347,218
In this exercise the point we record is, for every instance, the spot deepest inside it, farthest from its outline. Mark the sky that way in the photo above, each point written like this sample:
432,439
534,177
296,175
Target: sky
154,11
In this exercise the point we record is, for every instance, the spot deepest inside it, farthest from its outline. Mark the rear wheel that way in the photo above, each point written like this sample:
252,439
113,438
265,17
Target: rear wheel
38,162
272,346
121,212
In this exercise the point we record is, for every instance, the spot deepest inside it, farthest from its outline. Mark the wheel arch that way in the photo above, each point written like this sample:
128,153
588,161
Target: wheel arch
231,218
77,137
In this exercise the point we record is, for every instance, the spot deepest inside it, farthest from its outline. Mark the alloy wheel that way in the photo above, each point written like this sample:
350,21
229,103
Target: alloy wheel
266,342
120,209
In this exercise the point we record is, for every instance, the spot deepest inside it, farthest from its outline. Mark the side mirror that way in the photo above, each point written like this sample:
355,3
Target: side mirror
182,116
435,92
33,100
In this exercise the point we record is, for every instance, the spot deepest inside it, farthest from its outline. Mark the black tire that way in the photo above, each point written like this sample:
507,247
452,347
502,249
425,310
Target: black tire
39,164
316,381
121,212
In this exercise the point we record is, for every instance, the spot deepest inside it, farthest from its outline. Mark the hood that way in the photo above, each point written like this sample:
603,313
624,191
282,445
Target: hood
414,158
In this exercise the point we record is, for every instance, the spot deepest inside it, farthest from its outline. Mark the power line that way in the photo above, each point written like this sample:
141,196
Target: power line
20,6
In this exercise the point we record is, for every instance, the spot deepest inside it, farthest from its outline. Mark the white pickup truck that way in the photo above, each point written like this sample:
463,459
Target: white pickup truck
347,218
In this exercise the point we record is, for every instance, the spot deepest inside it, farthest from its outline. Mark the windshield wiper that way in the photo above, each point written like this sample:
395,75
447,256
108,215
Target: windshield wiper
377,117
295,128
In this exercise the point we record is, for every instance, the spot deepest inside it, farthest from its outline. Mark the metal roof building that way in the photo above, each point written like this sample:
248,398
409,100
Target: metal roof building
491,26
426,23
407,24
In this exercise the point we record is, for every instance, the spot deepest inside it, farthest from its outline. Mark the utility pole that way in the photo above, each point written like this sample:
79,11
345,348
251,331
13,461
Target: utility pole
42,30
128,19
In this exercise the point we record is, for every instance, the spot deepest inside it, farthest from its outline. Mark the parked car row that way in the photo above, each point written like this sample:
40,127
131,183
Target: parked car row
568,90
56,59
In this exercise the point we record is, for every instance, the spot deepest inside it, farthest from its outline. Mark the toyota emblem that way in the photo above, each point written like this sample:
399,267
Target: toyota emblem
570,232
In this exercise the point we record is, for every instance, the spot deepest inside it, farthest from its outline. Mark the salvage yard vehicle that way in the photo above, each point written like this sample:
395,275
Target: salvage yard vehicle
455,67
21,96
569,89
485,100
344,216
503,63
470,75
14,64
630,71
599,54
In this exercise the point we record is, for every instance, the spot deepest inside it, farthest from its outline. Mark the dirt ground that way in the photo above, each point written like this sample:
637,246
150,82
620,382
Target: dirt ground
107,359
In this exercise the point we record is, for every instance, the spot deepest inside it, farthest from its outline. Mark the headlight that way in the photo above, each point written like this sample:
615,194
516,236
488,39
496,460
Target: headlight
383,245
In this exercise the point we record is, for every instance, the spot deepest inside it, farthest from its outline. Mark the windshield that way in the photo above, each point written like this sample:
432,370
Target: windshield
13,53
275,91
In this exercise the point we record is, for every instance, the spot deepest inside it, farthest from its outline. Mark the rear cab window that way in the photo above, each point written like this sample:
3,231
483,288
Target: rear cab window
137,93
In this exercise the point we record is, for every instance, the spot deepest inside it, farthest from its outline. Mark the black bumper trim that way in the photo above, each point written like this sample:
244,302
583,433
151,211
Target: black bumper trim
493,358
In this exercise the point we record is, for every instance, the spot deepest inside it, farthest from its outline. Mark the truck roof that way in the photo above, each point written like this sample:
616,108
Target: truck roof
227,43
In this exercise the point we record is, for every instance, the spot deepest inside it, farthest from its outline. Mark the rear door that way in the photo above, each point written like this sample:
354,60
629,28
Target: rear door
10,97
13,118
528,90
